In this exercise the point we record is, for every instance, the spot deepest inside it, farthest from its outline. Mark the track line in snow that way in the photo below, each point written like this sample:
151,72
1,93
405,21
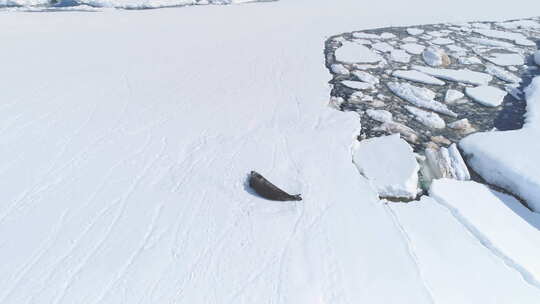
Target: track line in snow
410,250
525,274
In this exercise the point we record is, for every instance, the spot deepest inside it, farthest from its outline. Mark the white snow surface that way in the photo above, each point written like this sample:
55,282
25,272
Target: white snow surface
442,245
507,159
127,136
388,162
511,231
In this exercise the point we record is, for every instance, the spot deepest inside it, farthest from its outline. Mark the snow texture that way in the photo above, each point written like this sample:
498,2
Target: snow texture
449,255
127,136
510,232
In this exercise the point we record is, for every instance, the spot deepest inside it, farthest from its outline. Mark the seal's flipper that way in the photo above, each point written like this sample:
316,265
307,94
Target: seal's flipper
268,190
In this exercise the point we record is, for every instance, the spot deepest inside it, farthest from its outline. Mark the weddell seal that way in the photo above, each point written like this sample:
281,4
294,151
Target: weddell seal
268,190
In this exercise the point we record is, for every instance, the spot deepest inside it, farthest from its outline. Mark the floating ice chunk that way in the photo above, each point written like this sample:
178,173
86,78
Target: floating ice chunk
340,69
442,41
463,75
413,48
353,53
388,36
417,76
516,37
513,90
428,119
437,33
537,57
363,35
389,163
362,41
470,60
397,128
490,42
439,163
520,24
410,39
457,50
414,31
382,47
507,159
460,168
400,56
420,97
380,115
358,85
366,77
486,95
506,59
481,25
502,74
435,57
463,126
452,96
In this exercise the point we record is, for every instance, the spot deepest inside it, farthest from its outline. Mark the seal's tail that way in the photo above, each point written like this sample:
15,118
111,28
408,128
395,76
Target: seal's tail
296,197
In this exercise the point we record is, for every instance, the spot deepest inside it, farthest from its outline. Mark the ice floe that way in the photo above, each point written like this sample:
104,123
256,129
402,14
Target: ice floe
389,163
339,69
490,42
504,59
506,159
400,56
382,47
462,75
359,85
442,41
418,96
379,115
366,77
452,96
486,95
427,118
356,53
413,48
517,38
435,57
417,76
502,74
414,31
463,126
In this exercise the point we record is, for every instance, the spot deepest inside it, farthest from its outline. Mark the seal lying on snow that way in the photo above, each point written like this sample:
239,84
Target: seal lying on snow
268,190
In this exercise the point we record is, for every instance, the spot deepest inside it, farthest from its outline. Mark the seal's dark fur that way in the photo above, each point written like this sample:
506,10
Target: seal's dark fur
268,190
